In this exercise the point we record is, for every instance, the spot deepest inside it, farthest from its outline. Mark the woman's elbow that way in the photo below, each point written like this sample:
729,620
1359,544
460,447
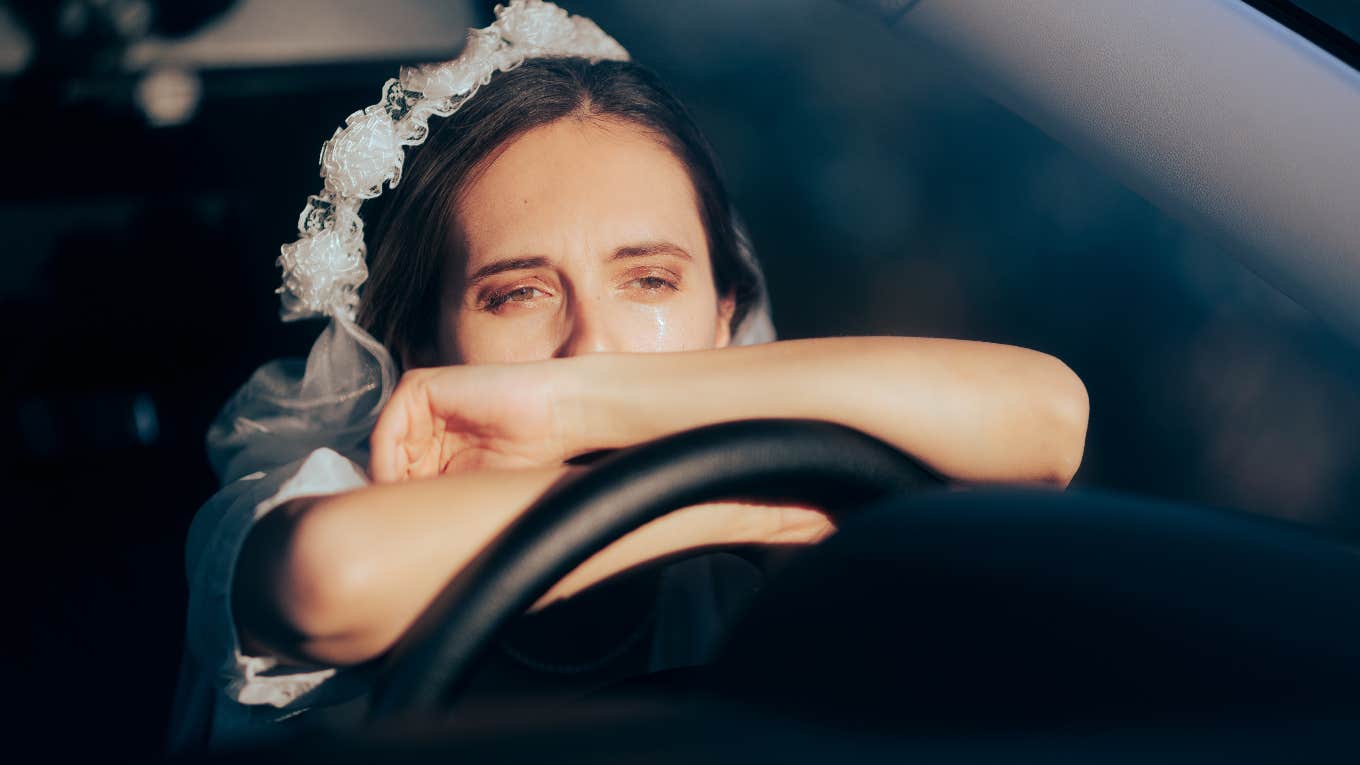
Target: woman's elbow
308,580
1067,407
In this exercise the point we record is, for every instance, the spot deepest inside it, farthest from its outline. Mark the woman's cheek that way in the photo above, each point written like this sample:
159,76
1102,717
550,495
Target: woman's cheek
668,326
498,341
658,325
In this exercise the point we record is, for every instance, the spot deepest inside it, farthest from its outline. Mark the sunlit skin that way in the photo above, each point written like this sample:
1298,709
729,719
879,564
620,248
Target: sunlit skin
603,335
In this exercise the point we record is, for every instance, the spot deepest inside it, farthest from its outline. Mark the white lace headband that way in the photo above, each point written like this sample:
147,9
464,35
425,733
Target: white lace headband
323,269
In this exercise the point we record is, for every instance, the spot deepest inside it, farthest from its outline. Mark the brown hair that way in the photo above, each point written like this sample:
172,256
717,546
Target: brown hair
415,230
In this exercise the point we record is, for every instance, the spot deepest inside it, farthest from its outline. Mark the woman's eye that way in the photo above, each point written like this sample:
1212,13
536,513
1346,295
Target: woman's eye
653,283
517,295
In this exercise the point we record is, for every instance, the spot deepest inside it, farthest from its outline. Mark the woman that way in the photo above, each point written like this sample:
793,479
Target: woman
559,272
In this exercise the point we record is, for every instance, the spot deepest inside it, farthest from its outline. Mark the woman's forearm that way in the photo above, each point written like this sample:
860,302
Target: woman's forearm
973,411
320,577
335,580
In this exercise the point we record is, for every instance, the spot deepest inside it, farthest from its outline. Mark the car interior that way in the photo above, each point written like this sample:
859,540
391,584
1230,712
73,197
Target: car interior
1147,612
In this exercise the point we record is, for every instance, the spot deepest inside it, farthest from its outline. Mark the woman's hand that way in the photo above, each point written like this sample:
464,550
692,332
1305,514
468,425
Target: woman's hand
696,527
461,418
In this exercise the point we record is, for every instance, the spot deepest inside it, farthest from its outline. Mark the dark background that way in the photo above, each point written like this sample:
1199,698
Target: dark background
884,195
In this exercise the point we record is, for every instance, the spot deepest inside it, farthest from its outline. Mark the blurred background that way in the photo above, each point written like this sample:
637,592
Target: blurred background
158,153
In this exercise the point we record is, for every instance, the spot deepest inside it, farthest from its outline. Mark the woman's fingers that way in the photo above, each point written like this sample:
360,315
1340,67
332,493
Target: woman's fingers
752,522
459,418
404,437
801,523
383,464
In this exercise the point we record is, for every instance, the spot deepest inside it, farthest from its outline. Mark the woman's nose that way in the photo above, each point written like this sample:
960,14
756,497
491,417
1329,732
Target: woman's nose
588,331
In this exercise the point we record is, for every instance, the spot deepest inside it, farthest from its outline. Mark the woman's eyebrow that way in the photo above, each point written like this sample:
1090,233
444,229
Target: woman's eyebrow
650,248
537,261
509,264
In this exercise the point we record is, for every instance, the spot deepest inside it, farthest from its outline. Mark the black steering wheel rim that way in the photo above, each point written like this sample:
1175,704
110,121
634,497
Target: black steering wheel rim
780,460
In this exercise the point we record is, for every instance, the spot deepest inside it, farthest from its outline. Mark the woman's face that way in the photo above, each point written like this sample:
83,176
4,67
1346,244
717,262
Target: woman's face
580,237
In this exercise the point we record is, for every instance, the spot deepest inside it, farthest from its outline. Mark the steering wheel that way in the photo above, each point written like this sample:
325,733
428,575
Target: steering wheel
837,468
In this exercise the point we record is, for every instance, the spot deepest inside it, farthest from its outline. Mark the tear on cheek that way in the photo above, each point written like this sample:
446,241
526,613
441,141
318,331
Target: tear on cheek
662,331
661,328
654,329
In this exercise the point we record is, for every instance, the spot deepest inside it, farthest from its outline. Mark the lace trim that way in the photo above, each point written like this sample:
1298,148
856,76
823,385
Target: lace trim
324,267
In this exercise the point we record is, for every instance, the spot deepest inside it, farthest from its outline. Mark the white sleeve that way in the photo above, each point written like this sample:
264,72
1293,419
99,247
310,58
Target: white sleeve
215,538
